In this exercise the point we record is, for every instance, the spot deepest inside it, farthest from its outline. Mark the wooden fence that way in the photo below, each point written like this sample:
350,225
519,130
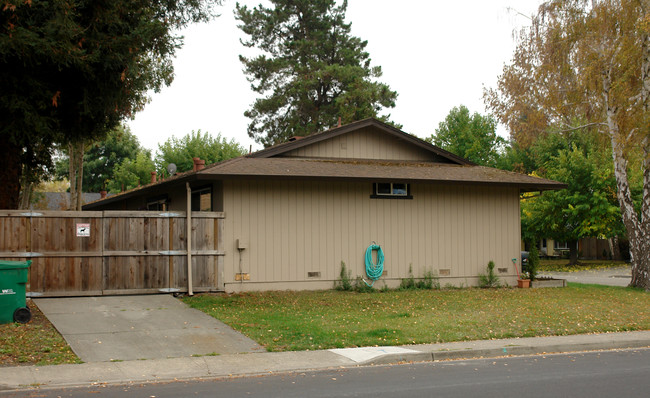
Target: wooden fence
92,253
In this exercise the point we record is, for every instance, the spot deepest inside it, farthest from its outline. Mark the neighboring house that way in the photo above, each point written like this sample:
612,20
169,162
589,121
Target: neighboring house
58,200
295,211
588,249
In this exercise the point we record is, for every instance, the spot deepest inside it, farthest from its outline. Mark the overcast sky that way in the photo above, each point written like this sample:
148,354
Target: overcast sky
436,55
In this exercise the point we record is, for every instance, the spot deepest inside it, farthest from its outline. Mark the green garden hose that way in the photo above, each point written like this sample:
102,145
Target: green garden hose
374,271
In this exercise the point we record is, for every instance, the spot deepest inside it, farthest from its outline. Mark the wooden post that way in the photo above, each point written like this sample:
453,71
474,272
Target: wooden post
172,281
188,240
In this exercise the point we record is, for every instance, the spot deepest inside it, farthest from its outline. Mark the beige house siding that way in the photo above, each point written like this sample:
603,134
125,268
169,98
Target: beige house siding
290,228
366,143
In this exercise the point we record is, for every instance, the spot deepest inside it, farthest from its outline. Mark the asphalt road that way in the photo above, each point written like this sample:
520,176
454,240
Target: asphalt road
624,373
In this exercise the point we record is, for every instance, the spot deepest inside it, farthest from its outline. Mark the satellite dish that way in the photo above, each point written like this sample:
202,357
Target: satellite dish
171,169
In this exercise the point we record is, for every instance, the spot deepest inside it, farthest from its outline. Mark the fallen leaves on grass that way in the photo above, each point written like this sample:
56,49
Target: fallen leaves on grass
34,343
331,319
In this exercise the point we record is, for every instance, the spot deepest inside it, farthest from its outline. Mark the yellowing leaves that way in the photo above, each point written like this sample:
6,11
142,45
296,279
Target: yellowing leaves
55,99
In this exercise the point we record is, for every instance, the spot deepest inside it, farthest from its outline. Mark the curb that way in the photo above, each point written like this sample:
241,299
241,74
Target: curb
512,351
31,378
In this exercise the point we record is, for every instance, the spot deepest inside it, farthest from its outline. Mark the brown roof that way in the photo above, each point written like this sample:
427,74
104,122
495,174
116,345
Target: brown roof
268,163
372,170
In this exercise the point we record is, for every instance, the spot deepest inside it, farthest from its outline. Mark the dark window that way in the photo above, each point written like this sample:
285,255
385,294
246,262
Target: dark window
561,245
202,199
383,188
160,203
391,190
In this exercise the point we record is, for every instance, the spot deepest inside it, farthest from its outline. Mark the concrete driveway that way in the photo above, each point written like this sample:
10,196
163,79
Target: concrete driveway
140,327
615,276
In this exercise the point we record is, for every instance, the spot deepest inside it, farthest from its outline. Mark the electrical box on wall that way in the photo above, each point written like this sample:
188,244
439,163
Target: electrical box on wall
241,244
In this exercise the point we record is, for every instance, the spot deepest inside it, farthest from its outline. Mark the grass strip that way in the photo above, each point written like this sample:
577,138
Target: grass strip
287,321
34,343
562,265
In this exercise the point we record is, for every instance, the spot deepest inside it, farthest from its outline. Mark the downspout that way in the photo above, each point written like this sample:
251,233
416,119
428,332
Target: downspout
190,292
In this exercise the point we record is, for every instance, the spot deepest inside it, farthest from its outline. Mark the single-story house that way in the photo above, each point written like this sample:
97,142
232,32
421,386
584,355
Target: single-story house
295,211
588,248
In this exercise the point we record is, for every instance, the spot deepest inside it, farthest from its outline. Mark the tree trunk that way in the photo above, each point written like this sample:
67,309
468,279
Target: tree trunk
27,189
72,176
80,175
573,252
10,173
614,248
76,157
636,228
640,244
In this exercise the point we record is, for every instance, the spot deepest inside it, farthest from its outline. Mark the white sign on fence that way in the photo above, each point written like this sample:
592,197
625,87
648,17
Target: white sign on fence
83,230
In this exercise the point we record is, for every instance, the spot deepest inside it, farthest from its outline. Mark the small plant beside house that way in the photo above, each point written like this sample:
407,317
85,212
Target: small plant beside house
532,268
408,283
360,286
489,279
428,281
344,282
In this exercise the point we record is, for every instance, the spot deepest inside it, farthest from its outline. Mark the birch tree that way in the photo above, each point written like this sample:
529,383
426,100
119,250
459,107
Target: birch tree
588,60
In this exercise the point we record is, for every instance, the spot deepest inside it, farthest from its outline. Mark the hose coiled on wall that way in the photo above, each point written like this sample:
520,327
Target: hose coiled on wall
374,271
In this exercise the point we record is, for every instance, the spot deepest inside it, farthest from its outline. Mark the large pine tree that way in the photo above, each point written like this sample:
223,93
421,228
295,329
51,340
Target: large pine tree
311,70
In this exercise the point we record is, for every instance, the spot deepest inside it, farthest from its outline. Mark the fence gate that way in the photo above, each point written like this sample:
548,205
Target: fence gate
90,253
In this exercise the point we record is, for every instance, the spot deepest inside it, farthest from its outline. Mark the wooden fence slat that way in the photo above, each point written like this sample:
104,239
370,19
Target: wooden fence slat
50,214
126,252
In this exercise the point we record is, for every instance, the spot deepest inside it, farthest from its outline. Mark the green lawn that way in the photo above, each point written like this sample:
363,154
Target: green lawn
284,321
34,343
562,265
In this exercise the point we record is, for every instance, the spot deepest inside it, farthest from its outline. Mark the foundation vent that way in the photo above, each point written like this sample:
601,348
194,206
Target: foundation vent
313,274
241,276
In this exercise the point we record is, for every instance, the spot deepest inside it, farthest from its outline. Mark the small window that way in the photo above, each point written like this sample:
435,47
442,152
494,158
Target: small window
384,189
202,199
561,245
160,203
391,190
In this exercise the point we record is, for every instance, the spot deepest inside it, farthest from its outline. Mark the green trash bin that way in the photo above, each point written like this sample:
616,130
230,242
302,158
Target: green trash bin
13,302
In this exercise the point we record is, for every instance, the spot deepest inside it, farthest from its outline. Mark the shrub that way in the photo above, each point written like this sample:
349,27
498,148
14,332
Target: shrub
490,279
345,279
360,286
428,281
408,283
533,262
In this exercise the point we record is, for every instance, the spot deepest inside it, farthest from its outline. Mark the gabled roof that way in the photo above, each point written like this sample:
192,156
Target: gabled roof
286,147
269,163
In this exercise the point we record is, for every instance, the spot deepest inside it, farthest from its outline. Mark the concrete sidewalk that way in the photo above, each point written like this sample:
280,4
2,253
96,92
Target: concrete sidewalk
156,370
124,328
614,276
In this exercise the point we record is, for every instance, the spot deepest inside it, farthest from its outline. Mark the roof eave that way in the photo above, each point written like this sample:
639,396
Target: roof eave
524,187
165,184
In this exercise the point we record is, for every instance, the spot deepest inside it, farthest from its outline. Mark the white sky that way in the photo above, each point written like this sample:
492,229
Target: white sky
435,54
